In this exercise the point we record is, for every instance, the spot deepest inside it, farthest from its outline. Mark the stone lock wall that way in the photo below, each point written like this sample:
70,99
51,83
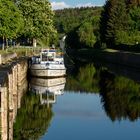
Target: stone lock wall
6,57
13,84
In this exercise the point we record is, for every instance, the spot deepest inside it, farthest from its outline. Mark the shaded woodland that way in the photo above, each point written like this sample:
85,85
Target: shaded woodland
115,25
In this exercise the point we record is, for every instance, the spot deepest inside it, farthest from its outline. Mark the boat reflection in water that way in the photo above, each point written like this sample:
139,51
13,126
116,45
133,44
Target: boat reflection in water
36,114
48,89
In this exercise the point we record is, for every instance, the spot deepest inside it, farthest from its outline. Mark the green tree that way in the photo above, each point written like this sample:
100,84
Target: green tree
114,19
103,21
65,20
135,24
120,23
86,35
11,21
38,19
133,2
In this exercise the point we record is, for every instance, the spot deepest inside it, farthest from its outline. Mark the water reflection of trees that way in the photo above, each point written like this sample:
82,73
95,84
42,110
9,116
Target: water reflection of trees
85,81
120,96
32,119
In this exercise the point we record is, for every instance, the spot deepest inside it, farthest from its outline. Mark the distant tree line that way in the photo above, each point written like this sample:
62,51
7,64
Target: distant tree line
115,25
81,25
26,21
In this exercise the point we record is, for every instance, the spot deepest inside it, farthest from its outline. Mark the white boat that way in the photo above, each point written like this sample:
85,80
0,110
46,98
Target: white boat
48,64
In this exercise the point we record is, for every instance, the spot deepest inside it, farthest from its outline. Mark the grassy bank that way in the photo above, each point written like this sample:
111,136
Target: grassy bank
10,53
21,51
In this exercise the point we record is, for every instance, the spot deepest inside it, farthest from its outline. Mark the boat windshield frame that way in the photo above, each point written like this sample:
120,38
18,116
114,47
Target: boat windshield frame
48,55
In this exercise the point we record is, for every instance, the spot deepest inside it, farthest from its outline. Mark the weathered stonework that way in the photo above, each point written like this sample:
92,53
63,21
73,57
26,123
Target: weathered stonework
6,57
13,84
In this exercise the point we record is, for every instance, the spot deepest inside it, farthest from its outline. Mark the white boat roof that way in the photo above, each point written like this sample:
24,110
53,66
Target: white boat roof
48,50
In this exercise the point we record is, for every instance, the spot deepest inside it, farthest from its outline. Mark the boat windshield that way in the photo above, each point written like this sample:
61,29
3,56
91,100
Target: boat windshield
47,56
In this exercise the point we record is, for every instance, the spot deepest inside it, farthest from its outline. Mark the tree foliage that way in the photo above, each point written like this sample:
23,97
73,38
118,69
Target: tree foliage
68,19
86,35
114,19
81,31
133,2
119,23
11,22
38,18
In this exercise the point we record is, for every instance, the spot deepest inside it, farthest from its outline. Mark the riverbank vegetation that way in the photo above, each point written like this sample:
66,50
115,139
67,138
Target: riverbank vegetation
22,51
116,25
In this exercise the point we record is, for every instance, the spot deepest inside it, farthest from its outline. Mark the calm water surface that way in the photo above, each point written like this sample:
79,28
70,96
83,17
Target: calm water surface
93,103
81,116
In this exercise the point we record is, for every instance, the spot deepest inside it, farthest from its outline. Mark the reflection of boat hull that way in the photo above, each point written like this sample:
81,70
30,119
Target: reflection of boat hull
47,82
56,90
47,89
42,86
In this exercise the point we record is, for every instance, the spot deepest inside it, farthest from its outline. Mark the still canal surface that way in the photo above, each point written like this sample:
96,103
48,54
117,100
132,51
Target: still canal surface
94,102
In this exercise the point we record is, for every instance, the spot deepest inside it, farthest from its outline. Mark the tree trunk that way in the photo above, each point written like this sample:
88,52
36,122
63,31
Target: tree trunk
34,42
3,43
13,43
6,43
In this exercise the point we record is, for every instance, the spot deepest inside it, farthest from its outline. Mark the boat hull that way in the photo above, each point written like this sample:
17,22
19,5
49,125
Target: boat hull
48,72
47,65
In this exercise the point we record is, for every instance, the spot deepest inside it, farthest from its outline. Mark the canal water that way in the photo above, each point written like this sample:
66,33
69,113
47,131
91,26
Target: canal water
94,101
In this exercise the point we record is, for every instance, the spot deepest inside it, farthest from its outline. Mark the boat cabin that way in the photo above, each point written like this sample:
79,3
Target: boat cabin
48,55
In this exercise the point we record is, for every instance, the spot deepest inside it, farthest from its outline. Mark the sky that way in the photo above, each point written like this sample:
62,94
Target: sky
60,4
